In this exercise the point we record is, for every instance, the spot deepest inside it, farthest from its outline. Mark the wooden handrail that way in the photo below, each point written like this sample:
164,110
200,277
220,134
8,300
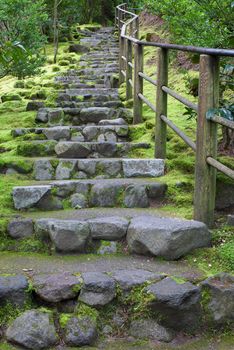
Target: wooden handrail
206,136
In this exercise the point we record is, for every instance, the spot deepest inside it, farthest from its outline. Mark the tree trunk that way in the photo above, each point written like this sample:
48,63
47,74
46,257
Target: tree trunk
56,30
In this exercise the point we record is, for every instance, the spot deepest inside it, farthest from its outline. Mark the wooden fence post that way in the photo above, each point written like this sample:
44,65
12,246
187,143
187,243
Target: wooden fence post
161,105
205,175
138,83
119,22
128,69
137,28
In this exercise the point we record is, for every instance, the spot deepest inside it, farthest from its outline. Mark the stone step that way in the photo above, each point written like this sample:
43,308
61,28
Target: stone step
85,133
59,195
142,234
80,116
66,169
90,103
73,149
94,94
69,149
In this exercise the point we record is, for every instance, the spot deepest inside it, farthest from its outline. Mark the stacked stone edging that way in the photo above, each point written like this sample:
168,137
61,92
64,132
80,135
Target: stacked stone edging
73,308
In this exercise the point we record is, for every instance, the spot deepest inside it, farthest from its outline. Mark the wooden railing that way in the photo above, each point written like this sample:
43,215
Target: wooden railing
131,71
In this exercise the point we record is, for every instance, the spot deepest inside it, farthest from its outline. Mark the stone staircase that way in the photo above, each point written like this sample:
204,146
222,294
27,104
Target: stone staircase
83,147
89,196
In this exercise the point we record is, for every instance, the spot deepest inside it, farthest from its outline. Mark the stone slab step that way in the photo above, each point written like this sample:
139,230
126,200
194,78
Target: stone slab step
73,149
58,195
177,237
65,169
90,103
79,116
93,92
115,133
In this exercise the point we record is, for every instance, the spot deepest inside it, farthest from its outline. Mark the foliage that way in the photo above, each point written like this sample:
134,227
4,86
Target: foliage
197,22
20,22
10,55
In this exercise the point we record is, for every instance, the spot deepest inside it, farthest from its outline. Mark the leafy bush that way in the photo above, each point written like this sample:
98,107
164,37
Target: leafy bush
197,22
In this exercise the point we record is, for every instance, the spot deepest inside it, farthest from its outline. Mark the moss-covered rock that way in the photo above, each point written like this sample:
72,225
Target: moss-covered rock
11,96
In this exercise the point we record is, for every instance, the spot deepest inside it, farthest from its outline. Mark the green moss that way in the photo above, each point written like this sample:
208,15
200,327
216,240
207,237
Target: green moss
19,84
29,244
10,97
33,137
76,289
66,204
137,301
55,69
36,149
9,313
54,163
83,310
64,63
178,280
38,94
63,320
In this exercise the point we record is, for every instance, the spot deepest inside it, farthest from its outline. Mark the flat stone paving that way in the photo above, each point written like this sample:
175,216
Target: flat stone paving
203,343
16,263
90,213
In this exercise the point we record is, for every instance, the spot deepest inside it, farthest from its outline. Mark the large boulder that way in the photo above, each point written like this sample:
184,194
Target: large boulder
98,289
13,289
177,305
20,228
108,228
29,196
150,329
33,330
80,331
69,236
57,287
166,237
218,292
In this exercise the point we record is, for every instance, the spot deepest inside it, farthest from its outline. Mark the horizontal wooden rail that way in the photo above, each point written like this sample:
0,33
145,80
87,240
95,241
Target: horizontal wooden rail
222,121
124,73
149,104
193,49
150,80
180,133
180,98
221,167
